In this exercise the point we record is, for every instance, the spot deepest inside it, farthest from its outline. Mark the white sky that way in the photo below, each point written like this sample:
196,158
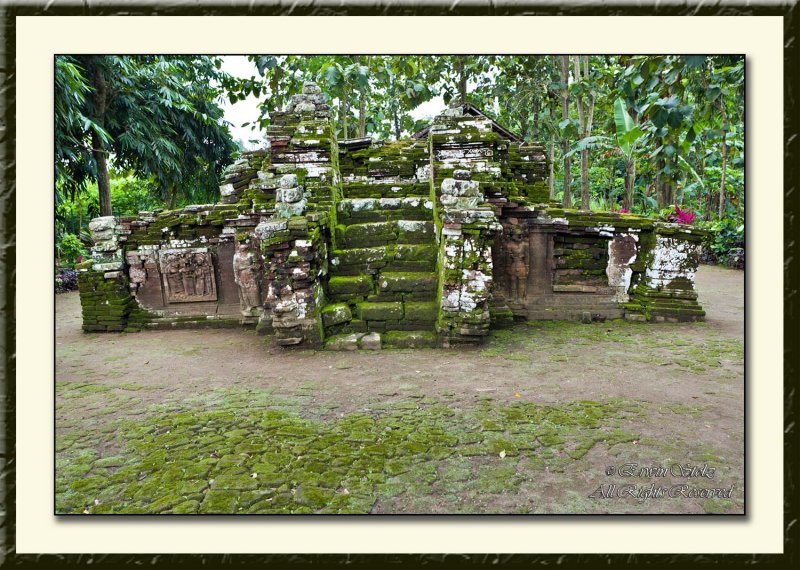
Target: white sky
247,110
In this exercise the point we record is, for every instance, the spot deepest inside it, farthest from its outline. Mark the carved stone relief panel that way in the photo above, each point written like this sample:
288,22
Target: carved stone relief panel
188,275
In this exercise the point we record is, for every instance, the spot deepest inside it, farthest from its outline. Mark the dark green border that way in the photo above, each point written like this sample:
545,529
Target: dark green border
791,556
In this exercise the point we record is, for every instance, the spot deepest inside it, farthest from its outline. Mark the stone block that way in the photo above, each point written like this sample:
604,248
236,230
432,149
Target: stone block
269,228
311,88
289,195
343,342
376,233
415,231
408,282
288,210
288,181
421,311
410,339
380,311
336,314
360,256
371,341
226,190
358,285
103,223
415,252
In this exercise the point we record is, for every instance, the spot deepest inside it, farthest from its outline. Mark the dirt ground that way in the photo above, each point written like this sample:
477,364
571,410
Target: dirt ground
563,418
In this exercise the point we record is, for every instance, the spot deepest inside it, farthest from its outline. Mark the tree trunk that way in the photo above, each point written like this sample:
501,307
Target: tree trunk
396,118
551,148
630,178
722,176
585,118
171,198
462,78
99,153
343,111
362,117
103,182
565,116
585,179
362,106
551,153
661,198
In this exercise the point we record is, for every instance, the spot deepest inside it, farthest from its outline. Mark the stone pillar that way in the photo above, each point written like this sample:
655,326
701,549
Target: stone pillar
466,274
106,300
663,289
293,240
295,262
107,250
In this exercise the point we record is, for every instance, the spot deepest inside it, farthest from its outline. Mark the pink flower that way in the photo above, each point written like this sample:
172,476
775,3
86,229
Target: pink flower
623,210
683,216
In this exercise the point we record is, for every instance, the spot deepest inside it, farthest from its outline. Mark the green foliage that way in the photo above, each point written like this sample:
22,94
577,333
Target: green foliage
156,116
389,86
129,196
69,248
728,234
660,123
627,131
74,165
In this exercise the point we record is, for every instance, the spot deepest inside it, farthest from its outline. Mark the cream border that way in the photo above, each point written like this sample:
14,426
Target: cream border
38,38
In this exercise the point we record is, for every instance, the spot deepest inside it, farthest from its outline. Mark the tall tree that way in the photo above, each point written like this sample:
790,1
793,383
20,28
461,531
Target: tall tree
363,95
156,116
628,134
99,90
567,199
74,130
462,77
584,99
669,111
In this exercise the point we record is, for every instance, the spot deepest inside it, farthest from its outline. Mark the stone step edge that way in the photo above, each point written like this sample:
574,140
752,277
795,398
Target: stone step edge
378,341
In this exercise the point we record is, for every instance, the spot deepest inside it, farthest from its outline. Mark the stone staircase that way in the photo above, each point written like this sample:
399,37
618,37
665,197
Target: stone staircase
383,287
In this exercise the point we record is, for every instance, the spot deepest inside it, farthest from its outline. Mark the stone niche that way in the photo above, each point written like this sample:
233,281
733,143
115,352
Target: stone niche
184,280
187,275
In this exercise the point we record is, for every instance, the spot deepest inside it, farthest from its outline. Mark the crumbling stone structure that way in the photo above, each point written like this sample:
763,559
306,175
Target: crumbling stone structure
355,244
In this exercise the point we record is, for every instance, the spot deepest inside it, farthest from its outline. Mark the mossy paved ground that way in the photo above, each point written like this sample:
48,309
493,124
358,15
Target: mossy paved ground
217,422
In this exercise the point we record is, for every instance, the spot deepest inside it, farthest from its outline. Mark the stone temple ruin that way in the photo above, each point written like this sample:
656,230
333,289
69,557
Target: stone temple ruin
352,244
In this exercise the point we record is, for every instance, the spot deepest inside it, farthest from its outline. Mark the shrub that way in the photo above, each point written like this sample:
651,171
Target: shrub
726,244
69,248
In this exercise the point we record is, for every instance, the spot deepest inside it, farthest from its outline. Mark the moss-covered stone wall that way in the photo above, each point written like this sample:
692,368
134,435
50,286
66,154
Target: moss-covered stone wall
296,264
662,288
383,278
362,244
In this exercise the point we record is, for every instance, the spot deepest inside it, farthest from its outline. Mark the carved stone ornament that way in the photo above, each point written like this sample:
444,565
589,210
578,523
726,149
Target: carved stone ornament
246,274
188,275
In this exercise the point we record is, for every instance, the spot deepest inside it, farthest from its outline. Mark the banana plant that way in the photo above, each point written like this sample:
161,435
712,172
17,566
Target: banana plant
628,136
625,143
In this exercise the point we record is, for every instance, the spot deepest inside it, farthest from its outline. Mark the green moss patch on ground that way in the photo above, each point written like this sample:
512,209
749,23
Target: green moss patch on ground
244,452
178,422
